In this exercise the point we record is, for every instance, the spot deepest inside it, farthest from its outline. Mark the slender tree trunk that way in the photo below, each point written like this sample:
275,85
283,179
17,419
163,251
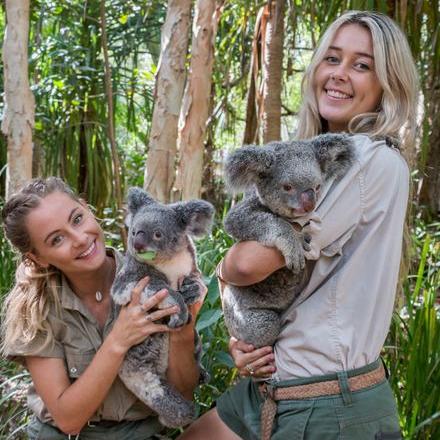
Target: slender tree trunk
18,119
170,84
195,107
110,120
272,57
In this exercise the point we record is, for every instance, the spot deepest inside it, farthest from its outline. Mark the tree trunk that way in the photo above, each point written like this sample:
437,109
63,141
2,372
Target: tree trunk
18,119
272,57
170,84
110,121
195,106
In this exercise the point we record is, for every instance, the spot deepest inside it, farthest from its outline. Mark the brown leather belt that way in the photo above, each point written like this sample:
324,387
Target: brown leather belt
317,389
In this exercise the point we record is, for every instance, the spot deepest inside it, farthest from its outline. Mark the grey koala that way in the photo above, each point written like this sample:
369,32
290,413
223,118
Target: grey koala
283,180
160,246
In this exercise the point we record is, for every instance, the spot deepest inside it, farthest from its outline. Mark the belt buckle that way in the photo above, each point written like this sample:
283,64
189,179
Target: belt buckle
268,391
91,424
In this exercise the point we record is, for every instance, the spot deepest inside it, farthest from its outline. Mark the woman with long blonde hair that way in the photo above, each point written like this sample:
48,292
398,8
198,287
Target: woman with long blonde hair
61,324
324,379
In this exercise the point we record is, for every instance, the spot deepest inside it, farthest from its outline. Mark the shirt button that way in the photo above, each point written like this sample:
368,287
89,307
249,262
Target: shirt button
73,370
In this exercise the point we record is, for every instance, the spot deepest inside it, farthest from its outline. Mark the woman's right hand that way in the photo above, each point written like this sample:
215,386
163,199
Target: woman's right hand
135,322
250,361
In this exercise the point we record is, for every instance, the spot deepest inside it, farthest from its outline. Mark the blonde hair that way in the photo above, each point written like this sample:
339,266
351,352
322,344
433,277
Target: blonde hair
395,70
26,307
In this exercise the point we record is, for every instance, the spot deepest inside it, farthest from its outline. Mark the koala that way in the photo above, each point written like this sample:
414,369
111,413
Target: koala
160,246
283,181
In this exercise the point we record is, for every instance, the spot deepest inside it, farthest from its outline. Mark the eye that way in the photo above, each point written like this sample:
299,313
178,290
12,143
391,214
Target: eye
331,59
287,187
77,219
318,188
56,240
362,66
157,235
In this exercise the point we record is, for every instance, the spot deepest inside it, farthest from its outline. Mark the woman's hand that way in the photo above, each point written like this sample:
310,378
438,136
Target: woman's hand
250,361
135,322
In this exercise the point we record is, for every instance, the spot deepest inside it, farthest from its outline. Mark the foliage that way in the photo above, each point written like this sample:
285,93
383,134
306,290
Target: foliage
412,350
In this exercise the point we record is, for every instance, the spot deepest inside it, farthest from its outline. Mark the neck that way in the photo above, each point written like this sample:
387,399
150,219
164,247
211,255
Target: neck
85,286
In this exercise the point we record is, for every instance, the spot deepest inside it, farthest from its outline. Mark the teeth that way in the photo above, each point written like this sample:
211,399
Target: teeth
336,94
88,251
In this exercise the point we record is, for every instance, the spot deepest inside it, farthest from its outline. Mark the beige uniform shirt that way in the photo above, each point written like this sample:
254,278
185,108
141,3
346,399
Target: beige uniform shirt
342,317
77,337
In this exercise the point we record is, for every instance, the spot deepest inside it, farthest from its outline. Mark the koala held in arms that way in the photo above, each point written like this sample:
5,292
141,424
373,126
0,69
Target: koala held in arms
282,181
160,246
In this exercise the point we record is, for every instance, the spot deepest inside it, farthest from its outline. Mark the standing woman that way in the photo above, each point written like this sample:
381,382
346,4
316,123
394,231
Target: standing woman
324,375
60,322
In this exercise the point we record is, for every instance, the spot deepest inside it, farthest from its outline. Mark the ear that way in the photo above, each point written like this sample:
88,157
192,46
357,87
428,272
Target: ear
37,260
195,215
136,198
334,152
245,166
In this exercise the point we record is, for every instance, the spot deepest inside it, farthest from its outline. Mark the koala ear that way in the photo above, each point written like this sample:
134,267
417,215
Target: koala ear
195,215
245,166
334,152
136,198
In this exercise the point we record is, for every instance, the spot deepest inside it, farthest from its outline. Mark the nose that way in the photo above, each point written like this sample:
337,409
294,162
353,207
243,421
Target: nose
308,200
79,237
139,241
339,73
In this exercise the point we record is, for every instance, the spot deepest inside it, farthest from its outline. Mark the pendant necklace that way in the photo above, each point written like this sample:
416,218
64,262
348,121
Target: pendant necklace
98,296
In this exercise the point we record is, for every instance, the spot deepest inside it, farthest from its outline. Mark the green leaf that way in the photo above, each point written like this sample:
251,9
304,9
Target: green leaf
208,318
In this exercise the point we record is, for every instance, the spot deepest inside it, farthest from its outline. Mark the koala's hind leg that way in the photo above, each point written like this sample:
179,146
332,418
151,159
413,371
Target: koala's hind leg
255,326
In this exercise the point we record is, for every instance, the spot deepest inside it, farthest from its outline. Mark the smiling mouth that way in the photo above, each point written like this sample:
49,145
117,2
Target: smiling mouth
337,94
87,252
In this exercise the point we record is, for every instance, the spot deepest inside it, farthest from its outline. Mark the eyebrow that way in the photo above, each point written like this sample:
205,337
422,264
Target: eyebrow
364,54
57,230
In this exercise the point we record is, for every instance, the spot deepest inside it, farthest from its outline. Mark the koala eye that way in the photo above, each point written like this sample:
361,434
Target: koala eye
318,188
287,187
157,235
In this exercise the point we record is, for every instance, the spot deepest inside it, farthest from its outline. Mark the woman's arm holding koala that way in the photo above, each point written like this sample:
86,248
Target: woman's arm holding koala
249,262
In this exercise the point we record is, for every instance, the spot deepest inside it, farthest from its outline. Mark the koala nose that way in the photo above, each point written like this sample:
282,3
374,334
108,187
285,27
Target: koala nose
308,200
139,241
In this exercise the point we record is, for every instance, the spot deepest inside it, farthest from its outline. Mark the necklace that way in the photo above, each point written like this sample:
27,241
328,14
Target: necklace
98,296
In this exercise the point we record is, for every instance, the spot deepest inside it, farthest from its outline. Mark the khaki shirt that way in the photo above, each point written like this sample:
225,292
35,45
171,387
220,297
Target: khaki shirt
341,319
77,338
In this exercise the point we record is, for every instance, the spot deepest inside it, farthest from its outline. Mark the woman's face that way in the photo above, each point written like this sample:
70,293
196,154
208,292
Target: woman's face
65,234
345,81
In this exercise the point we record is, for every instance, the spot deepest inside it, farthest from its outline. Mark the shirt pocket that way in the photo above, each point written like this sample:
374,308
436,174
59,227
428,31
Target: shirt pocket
77,361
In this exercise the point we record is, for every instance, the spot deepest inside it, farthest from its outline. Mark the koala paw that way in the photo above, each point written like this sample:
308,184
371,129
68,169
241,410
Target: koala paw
178,319
123,297
293,252
307,239
190,290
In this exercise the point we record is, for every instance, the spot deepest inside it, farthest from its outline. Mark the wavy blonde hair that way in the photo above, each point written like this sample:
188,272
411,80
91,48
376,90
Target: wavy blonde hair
26,307
395,70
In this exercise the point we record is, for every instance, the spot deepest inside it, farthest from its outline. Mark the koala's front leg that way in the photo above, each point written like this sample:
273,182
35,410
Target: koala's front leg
191,289
250,223
172,299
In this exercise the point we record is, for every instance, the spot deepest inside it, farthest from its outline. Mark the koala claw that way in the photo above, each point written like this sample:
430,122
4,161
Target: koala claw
307,239
190,290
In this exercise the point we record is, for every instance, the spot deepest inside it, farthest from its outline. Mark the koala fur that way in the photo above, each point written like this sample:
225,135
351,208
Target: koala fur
164,230
284,180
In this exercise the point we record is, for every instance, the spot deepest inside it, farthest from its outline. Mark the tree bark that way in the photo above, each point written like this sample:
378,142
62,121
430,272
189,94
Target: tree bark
19,114
170,84
195,107
110,121
272,57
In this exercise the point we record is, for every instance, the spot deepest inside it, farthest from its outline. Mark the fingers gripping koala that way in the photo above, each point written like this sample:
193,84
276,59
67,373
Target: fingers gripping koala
160,246
282,181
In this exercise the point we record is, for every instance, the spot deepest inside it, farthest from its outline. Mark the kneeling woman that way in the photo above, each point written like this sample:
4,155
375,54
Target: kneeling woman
61,324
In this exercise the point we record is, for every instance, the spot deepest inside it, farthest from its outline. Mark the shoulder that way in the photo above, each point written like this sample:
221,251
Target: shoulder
377,154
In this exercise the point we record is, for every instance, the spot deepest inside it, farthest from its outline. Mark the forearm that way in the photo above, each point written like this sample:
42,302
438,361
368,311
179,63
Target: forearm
73,404
250,262
183,370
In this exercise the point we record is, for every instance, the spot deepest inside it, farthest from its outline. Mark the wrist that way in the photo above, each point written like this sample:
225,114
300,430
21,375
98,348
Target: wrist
115,346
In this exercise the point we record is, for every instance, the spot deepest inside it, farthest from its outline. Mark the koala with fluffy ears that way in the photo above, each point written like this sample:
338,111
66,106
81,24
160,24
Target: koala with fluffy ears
282,181
160,246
